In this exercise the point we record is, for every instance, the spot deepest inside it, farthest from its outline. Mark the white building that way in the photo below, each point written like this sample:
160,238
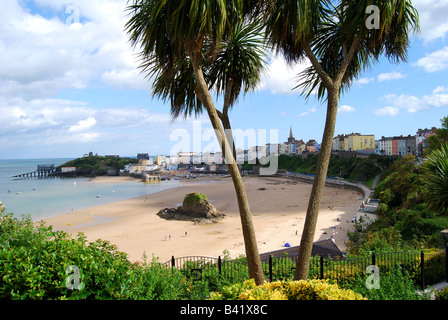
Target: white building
218,158
385,146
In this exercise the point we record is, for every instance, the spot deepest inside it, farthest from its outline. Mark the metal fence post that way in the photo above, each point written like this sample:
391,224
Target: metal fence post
422,258
172,262
270,268
446,263
219,264
373,259
321,266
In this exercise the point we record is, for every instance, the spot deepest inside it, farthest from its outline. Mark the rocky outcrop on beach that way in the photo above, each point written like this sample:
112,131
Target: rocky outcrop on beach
195,207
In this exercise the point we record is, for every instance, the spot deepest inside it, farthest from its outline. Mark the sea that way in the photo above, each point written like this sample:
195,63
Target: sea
42,198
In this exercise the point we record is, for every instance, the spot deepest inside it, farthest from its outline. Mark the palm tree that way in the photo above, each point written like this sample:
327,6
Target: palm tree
334,36
175,32
238,66
436,166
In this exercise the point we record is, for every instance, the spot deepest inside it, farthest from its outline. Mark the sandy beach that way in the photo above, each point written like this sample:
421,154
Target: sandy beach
278,207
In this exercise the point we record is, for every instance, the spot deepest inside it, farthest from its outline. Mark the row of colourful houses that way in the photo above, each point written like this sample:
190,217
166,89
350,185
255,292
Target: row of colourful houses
293,146
400,146
391,146
366,143
354,142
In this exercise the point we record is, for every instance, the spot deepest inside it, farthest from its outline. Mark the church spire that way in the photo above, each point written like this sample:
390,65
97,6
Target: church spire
291,138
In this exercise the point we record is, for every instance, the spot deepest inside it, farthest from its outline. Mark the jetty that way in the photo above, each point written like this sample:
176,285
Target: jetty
43,171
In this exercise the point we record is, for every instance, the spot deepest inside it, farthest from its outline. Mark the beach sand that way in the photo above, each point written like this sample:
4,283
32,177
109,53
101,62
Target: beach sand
278,207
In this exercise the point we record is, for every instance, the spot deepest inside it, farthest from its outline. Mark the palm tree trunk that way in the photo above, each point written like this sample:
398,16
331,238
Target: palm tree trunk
224,116
228,129
306,243
250,242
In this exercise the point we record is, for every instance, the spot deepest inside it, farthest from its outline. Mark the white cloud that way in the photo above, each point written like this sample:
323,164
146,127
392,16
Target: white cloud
22,116
346,108
41,55
73,126
390,76
363,81
438,98
280,77
313,109
435,61
83,125
412,104
387,111
127,78
432,15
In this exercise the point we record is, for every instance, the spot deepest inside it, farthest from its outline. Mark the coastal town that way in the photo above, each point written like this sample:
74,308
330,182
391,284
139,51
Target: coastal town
352,144
144,165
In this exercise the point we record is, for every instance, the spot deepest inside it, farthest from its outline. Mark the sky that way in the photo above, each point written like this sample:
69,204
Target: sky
70,84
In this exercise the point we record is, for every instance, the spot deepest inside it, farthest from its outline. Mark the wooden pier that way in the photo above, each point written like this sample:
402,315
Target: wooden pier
43,171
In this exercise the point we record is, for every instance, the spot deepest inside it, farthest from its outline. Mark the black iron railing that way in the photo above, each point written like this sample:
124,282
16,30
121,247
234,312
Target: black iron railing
424,268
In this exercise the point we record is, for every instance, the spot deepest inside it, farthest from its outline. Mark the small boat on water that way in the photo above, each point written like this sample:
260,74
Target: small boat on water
98,196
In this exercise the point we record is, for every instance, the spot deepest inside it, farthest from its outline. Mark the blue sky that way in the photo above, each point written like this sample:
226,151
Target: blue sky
69,84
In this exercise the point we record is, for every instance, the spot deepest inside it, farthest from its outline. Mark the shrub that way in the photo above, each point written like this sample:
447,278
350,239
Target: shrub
393,285
154,281
34,261
286,290
35,264
441,294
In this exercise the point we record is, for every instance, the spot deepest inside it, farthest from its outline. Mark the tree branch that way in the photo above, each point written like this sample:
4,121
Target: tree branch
228,97
347,58
327,80
220,114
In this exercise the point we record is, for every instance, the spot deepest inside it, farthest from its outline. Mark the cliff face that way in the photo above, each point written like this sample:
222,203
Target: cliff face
195,207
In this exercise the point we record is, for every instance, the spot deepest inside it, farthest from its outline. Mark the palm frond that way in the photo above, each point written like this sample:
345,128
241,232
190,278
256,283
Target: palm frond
240,61
436,167
337,28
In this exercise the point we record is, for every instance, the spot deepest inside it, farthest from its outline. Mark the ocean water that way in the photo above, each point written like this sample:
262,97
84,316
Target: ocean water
45,197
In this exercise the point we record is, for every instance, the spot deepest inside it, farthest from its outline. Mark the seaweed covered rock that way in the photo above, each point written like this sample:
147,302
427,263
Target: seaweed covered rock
195,207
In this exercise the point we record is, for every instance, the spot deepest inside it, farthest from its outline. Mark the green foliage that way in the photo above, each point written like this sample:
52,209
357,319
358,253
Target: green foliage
406,221
442,294
393,285
34,261
154,281
97,164
286,290
357,169
289,163
437,140
400,184
382,240
436,167
194,197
